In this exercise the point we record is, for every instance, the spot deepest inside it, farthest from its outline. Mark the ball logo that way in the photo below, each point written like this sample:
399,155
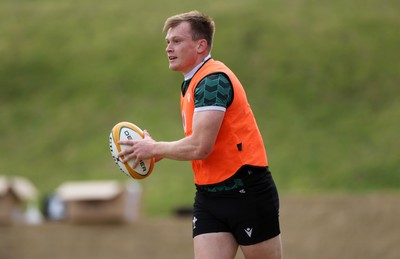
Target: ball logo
141,163
128,135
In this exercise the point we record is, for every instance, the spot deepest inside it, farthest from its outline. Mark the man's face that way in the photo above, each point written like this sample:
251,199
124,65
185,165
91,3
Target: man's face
181,49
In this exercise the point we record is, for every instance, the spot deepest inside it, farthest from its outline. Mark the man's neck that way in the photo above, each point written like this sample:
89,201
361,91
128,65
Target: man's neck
194,70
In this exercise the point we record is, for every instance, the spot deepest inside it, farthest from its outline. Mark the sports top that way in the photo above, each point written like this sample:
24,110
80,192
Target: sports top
239,141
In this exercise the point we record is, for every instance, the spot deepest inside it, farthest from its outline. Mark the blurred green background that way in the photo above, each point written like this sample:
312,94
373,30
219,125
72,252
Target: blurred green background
322,78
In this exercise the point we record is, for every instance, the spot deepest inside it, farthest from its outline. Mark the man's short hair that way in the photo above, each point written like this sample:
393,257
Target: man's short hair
203,27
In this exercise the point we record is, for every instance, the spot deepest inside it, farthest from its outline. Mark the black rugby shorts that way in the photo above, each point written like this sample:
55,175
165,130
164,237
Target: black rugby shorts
246,205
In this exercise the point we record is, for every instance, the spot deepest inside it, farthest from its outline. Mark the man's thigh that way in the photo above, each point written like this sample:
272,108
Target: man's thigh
268,249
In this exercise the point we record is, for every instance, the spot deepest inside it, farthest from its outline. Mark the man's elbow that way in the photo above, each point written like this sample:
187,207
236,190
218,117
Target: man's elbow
202,153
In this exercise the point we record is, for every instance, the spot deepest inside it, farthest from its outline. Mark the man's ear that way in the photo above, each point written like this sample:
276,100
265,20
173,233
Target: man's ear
202,46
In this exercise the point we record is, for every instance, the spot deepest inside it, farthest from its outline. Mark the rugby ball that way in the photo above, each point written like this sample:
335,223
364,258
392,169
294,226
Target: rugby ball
129,131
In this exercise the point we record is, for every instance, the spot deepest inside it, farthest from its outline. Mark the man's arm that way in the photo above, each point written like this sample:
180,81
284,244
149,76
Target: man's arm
199,145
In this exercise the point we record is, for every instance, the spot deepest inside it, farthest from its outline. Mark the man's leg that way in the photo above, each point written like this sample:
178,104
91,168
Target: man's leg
269,249
220,245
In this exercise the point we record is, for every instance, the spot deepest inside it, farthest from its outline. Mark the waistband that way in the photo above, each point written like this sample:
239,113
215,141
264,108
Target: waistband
244,177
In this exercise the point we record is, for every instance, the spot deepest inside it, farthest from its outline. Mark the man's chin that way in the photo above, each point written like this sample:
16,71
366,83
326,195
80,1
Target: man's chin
173,68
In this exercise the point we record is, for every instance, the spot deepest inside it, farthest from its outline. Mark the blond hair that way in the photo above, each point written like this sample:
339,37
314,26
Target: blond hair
202,26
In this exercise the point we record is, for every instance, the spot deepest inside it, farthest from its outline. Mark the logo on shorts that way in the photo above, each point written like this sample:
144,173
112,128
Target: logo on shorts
248,231
194,222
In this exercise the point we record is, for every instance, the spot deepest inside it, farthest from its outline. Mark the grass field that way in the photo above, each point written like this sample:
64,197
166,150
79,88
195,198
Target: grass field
322,77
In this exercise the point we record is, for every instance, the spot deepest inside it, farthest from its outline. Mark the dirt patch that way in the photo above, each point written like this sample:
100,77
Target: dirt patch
352,227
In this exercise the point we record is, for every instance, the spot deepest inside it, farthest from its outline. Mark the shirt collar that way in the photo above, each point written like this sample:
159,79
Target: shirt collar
194,70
